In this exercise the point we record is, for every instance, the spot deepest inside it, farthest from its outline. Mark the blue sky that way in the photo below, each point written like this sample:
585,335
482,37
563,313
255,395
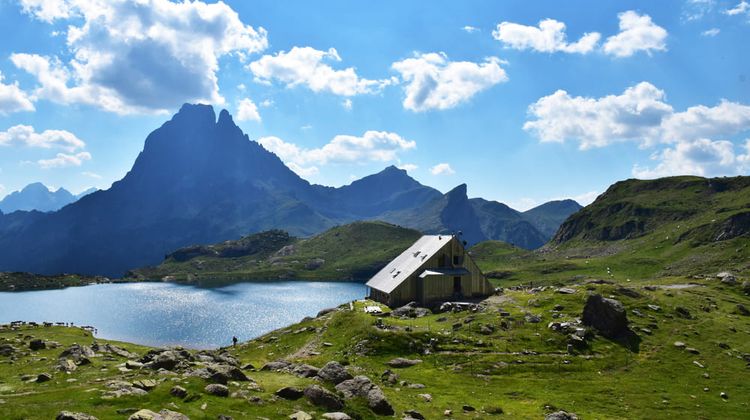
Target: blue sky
523,101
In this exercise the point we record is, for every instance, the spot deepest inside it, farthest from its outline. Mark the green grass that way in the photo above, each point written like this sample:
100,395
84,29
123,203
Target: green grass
350,252
521,367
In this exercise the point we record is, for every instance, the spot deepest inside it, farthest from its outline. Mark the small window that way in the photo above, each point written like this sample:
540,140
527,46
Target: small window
456,260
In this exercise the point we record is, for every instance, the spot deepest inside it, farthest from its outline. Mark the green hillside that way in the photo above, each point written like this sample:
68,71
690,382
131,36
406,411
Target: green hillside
354,251
641,230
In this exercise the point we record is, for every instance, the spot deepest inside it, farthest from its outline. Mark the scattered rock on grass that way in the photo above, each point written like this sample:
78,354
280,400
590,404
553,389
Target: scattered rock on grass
401,362
561,415
178,391
37,344
290,393
217,389
69,415
742,310
43,377
362,386
334,372
161,415
414,415
300,415
336,416
322,397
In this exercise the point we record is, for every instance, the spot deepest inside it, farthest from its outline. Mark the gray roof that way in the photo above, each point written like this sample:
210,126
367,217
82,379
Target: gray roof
408,262
444,272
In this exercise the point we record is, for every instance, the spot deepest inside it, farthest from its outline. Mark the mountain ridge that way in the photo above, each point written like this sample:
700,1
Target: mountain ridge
199,179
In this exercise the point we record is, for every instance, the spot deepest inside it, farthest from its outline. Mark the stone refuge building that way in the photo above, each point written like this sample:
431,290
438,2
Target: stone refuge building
436,268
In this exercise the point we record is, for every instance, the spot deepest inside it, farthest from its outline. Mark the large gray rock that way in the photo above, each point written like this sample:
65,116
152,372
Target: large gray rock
305,371
336,416
161,415
37,344
69,415
322,397
561,415
6,349
334,372
401,362
608,316
362,386
217,389
77,352
290,393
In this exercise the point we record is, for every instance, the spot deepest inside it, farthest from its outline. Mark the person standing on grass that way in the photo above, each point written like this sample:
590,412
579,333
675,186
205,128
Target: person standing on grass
234,341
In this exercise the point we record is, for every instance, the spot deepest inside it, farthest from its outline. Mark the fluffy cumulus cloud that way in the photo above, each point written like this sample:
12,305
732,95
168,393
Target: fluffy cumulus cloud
247,110
408,167
138,55
63,160
13,99
637,33
306,66
549,37
27,136
377,146
694,140
442,169
434,82
742,8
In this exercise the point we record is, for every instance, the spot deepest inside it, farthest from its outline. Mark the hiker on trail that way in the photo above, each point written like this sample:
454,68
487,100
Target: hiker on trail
234,341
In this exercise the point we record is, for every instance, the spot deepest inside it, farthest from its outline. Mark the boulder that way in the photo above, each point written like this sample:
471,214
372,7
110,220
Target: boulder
410,310
320,396
178,391
275,366
6,350
561,415
37,344
300,415
67,365
77,352
218,390
727,278
742,310
606,315
161,415
336,416
43,377
334,372
290,393
362,386
401,362
69,415
416,415
224,373
305,371
145,384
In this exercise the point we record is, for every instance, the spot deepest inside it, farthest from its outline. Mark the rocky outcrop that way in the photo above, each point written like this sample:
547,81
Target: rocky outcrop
608,316
322,397
69,415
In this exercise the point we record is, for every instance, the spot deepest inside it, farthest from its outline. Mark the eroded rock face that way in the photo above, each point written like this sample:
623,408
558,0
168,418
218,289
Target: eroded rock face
608,316
334,372
322,397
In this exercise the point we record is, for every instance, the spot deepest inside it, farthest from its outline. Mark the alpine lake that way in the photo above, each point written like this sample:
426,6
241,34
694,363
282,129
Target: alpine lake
169,314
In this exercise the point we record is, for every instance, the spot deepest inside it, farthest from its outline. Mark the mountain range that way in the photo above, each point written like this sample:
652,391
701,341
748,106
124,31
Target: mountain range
39,197
201,180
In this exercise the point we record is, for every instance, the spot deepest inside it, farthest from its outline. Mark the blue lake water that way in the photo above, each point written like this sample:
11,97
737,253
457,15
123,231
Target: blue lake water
165,314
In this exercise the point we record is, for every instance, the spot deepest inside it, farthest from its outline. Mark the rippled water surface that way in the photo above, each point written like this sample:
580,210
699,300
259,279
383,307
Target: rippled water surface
161,314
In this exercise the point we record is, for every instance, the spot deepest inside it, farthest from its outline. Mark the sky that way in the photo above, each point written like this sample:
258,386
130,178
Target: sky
524,101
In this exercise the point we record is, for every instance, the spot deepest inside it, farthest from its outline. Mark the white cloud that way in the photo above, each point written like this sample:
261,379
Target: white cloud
697,9
470,29
442,169
241,87
742,8
26,135
702,157
305,66
63,160
347,104
266,103
637,33
13,99
637,114
695,136
408,167
378,146
138,56
91,175
711,32
247,110
434,82
549,37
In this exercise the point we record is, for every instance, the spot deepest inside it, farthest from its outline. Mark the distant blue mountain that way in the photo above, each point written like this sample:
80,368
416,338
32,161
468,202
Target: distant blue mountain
201,180
38,197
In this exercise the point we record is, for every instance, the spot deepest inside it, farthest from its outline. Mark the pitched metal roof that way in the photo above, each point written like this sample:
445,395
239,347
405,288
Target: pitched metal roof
408,262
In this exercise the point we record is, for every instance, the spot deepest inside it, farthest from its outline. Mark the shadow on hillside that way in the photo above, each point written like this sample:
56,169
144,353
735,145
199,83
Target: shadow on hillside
630,340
